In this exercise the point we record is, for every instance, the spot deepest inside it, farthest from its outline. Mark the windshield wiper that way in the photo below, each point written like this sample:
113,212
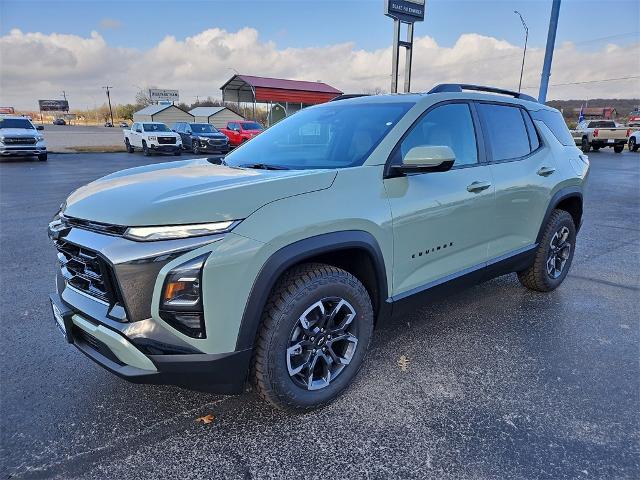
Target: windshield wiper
264,166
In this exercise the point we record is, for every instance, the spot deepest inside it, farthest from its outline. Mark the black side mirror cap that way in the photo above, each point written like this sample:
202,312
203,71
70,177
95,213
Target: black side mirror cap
40,127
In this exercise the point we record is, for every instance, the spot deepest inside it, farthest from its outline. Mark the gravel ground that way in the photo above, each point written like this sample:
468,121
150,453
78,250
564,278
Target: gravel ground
501,383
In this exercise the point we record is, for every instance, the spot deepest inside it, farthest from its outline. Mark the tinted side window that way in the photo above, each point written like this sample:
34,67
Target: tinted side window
506,131
450,125
554,122
534,141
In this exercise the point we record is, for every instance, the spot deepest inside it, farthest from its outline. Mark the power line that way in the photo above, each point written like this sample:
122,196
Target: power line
590,81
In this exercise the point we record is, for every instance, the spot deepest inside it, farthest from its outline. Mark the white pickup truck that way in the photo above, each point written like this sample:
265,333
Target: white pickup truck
600,133
152,137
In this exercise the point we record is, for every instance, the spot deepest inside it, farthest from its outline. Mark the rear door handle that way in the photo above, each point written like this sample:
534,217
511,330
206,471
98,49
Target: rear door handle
545,171
477,187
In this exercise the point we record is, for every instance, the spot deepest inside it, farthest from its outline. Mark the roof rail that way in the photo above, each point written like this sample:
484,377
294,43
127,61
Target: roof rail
459,87
346,96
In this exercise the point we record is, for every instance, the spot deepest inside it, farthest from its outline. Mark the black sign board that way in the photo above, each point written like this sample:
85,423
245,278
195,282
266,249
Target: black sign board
53,105
408,11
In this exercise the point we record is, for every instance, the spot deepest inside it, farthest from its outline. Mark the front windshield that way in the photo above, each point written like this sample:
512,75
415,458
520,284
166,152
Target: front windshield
202,128
334,135
155,127
252,126
16,123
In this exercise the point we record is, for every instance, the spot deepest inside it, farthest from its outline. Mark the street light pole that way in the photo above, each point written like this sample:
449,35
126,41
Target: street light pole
548,54
109,99
524,54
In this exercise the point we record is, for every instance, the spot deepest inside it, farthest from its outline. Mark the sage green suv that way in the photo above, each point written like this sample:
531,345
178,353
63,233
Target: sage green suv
275,265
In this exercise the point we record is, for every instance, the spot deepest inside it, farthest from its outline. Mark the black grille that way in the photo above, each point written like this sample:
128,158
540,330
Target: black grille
19,141
85,271
94,226
167,140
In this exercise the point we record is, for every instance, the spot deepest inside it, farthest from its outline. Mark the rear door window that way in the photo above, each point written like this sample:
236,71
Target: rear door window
506,130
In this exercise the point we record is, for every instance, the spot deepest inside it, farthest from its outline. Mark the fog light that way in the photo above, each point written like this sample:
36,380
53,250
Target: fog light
181,305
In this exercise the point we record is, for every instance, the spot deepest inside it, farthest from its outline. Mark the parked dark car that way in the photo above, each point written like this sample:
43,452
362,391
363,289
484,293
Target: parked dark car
108,124
124,125
59,121
201,137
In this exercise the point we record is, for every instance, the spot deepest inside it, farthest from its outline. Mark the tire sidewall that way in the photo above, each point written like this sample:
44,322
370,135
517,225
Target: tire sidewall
288,317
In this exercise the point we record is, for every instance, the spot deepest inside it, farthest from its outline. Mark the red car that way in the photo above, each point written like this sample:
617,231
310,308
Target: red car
240,132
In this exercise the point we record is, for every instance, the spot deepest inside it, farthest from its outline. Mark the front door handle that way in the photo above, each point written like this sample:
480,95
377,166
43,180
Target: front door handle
545,171
477,187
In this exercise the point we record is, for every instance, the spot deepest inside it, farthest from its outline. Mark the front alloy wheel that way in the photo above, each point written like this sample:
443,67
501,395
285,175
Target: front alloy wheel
316,328
559,252
322,343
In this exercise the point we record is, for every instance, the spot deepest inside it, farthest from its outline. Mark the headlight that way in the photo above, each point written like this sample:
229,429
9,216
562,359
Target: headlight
1,139
39,138
152,139
181,305
148,234
203,139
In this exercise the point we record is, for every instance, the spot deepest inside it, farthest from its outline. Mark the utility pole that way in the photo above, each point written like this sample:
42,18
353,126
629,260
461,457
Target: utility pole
64,95
109,100
548,54
526,37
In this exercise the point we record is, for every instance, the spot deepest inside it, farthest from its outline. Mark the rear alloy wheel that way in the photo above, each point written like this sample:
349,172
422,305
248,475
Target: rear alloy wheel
586,147
315,332
553,256
618,148
633,146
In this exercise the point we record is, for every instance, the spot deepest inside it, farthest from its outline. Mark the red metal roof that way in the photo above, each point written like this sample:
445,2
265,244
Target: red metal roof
246,88
284,84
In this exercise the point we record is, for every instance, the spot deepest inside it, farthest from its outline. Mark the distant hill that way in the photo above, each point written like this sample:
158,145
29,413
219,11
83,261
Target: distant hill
622,105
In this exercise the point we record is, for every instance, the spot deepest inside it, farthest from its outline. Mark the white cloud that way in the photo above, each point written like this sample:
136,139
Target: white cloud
36,66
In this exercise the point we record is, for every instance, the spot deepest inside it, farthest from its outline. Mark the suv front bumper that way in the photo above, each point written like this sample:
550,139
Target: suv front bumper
22,150
216,373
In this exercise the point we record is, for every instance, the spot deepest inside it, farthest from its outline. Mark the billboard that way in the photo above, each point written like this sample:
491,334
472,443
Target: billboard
53,105
408,11
159,94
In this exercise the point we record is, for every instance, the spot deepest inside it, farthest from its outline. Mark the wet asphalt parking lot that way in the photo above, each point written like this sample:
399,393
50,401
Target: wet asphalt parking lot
501,382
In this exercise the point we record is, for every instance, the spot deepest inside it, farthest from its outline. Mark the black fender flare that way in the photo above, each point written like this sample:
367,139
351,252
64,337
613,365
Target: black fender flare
559,196
297,252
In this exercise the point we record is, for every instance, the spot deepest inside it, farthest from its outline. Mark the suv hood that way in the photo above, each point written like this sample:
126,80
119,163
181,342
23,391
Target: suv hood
191,191
209,135
18,132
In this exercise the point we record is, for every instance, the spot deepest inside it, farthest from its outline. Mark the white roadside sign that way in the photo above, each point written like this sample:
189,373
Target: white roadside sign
159,94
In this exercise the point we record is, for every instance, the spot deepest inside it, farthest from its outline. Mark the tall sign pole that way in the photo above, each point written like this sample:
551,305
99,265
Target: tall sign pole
403,12
109,99
548,54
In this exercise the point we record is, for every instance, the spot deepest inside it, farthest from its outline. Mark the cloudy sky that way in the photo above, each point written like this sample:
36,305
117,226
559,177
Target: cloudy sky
194,46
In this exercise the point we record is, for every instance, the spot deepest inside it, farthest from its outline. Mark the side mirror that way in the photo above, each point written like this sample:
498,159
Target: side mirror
40,127
432,158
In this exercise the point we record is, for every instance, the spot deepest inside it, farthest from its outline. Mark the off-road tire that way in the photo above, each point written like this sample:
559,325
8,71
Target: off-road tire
586,146
633,146
296,290
618,148
127,144
42,157
595,149
536,276
145,149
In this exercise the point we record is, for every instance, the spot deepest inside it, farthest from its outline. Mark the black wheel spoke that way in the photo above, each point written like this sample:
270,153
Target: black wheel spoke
322,343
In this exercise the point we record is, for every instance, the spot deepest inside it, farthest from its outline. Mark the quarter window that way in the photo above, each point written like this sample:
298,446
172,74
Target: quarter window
506,131
449,125
534,141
